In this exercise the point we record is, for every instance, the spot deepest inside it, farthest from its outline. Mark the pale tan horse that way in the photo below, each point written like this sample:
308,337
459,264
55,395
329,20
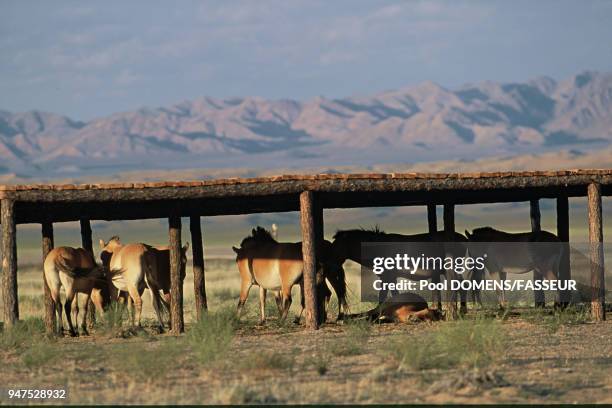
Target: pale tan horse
136,266
75,270
401,308
278,266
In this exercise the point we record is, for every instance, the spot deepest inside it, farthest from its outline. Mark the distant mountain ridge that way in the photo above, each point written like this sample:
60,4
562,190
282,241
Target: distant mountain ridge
483,118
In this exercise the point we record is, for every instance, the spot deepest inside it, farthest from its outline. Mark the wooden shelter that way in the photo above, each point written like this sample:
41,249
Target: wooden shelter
46,204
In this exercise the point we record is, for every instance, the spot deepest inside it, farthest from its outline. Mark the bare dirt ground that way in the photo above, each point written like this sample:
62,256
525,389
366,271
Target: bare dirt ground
522,357
569,363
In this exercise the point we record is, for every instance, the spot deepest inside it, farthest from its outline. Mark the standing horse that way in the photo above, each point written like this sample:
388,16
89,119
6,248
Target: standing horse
538,251
271,265
347,245
75,269
134,267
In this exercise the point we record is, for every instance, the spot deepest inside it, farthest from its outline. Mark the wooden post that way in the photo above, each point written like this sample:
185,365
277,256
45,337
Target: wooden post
319,236
536,226
450,303
534,211
176,292
47,246
449,217
87,244
86,241
565,272
197,251
432,218
9,263
598,310
307,212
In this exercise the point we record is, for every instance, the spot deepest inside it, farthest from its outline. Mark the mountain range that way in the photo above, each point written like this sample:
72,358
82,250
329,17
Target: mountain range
420,123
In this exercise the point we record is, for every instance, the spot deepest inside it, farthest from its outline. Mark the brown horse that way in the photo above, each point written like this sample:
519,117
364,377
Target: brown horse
75,270
538,251
347,245
276,266
134,267
401,308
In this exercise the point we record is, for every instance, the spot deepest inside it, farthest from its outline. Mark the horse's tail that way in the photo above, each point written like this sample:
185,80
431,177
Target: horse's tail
338,281
149,264
95,272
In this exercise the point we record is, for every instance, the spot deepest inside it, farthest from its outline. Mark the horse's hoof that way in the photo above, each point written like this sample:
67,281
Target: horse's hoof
74,334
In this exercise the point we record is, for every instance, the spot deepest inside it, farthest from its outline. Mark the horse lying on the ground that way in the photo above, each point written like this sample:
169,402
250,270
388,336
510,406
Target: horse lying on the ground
134,267
538,251
278,266
401,308
75,269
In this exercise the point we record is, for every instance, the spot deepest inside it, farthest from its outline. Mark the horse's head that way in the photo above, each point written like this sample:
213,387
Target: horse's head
108,248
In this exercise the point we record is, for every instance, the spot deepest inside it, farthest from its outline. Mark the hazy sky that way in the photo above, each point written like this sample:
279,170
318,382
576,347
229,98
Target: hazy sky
87,59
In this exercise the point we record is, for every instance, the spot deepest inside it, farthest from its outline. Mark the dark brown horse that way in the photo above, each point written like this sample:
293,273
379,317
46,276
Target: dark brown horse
347,245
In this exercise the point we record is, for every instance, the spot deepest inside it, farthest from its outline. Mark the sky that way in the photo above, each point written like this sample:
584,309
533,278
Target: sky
91,59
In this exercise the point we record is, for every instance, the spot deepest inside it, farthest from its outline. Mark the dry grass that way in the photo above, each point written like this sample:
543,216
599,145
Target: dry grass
538,357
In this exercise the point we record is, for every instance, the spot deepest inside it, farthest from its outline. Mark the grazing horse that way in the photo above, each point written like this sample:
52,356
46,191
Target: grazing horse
347,245
538,251
276,266
401,308
75,269
134,267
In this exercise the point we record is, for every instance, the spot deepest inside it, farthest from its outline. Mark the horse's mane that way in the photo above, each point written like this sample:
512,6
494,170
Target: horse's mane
114,238
259,235
360,232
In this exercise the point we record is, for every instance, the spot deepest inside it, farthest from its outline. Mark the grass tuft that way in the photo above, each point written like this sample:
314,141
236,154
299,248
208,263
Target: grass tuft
211,336
464,343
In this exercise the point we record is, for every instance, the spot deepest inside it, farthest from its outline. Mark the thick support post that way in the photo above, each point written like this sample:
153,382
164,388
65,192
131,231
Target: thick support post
307,211
9,262
87,244
449,218
432,218
534,212
176,292
450,303
47,246
197,251
598,310
536,226
565,272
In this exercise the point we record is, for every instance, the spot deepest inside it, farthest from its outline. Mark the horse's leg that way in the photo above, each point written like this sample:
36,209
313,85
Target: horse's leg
463,298
75,310
279,301
135,295
70,295
502,278
262,304
57,303
538,295
550,274
286,293
157,304
302,302
245,287
85,310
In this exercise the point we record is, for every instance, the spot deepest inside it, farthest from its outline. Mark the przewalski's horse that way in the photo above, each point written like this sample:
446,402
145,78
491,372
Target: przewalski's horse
538,251
347,245
278,266
134,267
401,308
75,269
